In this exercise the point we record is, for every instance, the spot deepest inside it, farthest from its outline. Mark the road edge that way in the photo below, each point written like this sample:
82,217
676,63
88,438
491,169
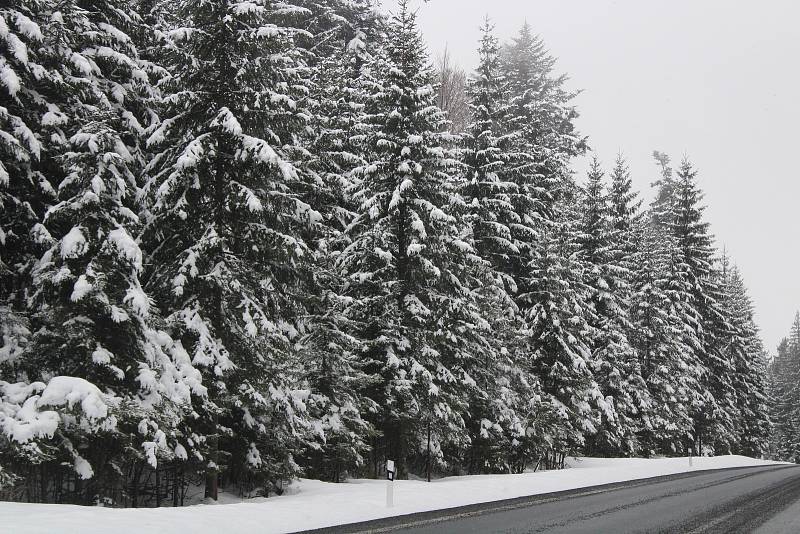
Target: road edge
389,524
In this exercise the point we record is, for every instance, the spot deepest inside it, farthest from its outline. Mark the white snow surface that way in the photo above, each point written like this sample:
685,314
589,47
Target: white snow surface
71,390
309,504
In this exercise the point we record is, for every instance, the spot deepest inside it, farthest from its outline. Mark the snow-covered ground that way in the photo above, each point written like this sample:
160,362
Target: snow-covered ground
313,504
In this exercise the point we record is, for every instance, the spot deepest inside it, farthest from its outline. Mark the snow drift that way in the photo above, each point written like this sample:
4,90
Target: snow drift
313,504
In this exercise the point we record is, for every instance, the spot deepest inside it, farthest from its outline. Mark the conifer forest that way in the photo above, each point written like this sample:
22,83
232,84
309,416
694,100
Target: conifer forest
244,241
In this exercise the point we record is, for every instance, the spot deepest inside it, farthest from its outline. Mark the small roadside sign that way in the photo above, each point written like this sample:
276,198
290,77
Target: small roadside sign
390,483
389,470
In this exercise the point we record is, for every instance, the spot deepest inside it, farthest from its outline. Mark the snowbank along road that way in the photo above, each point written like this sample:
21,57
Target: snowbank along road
753,499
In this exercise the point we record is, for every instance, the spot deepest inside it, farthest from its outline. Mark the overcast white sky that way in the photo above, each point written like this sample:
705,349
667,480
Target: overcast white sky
716,80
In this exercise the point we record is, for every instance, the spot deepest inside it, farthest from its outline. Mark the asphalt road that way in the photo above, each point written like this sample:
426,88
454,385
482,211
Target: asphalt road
763,500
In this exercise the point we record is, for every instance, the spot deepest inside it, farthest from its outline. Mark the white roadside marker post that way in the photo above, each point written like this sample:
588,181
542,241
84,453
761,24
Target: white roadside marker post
389,483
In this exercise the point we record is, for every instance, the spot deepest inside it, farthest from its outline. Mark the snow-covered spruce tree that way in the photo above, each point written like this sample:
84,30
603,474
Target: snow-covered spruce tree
497,428
24,190
540,121
778,410
226,237
341,83
541,115
331,24
409,266
782,412
784,371
681,289
558,331
108,372
625,215
663,338
341,86
793,390
626,218
775,375
335,375
486,191
93,316
534,165
614,362
24,193
744,349
696,255
661,210
14,334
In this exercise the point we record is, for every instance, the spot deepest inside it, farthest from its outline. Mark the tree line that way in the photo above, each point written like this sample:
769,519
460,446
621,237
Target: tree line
784,390
240,241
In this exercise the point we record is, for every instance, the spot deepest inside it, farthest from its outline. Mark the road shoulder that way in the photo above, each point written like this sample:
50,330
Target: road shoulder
393,523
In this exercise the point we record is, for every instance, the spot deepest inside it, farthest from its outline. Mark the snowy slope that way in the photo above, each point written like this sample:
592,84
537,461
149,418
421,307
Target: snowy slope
314,504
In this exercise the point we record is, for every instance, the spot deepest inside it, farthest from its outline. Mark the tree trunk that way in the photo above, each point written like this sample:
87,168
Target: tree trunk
158,488
212,465
428,457
175,483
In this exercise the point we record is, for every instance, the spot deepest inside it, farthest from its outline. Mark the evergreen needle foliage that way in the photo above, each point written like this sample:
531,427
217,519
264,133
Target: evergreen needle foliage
239,243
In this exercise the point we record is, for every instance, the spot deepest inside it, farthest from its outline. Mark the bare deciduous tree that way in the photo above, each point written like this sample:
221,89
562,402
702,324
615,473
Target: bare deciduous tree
451,91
